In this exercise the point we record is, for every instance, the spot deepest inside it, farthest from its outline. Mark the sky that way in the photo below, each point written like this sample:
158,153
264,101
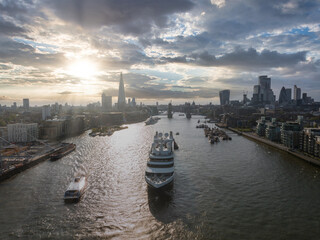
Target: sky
169,50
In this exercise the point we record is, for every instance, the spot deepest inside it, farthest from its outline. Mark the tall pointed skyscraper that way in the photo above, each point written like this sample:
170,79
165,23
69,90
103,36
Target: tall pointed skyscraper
121,95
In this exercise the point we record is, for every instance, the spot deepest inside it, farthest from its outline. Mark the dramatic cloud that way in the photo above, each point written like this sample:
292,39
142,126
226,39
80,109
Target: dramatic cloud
135,17
242,58
171,49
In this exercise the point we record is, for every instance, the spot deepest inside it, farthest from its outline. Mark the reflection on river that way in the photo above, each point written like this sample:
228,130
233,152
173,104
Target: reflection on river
231,190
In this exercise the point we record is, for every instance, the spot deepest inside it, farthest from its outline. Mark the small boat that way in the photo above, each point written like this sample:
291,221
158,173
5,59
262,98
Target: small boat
93,134
75,190
177,133
175,145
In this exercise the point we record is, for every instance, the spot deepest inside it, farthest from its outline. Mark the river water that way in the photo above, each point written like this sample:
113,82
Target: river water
235,189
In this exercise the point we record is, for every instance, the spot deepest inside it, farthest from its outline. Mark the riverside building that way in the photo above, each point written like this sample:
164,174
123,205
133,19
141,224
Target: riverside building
22,132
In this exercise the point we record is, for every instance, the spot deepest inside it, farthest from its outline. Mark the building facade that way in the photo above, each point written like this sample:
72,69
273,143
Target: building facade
296,93
262,93
121,95
224,97
46,112
106,102
22,132
26,103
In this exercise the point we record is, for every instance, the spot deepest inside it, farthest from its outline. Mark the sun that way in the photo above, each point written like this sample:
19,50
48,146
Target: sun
83,69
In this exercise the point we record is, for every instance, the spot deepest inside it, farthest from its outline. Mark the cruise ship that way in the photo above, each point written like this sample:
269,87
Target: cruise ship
160,166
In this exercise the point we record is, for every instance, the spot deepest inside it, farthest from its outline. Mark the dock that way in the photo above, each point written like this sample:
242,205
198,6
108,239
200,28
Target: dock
25,163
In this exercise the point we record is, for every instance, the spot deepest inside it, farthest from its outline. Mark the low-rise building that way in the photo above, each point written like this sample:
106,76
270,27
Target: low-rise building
22,132
262,125
53,129
309,141
273,132
290,134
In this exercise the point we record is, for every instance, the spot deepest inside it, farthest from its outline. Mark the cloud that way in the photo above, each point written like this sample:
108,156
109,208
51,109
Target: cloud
23,54
153,93
245,59
9,28
4,98
68,93
133,17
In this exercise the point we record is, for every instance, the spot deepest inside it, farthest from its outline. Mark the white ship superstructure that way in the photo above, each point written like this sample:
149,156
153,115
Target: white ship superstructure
160,166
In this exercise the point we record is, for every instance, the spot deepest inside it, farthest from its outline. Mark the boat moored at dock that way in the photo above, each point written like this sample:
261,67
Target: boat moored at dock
160,167
63,151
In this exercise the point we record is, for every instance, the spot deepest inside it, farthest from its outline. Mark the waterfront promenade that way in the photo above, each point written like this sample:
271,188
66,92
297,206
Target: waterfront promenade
293,152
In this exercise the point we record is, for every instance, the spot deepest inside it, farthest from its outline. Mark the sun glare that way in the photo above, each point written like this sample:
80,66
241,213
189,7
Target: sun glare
83,69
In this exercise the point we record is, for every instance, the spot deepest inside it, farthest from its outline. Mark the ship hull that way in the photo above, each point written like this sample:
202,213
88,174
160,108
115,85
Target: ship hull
161,185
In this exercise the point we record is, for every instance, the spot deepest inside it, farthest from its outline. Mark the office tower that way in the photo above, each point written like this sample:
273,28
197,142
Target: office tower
262,93
46,112
26,103
288,93
121,95
133,102
224,97
106,102
296,93
285,95
170,110
266,93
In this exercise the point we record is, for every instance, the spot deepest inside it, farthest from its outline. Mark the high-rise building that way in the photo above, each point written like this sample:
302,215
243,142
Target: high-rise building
285,95
170,110
262,93
224,97
288,93
106,102
296,93
121,95
133,102
26,103
46,112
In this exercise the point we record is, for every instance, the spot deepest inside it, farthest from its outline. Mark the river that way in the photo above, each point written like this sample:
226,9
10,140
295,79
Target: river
235,189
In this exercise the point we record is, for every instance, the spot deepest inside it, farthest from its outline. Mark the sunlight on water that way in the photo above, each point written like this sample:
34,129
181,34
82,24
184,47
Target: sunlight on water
231,190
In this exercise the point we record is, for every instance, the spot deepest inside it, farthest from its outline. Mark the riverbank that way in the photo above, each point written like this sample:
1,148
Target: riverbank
106,131
27,163
278,146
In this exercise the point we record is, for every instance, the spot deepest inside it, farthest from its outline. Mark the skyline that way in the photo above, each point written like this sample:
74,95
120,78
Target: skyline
181,50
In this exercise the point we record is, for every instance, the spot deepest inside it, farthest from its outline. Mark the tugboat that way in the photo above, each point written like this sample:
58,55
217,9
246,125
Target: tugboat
160,167
75,190
65,150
